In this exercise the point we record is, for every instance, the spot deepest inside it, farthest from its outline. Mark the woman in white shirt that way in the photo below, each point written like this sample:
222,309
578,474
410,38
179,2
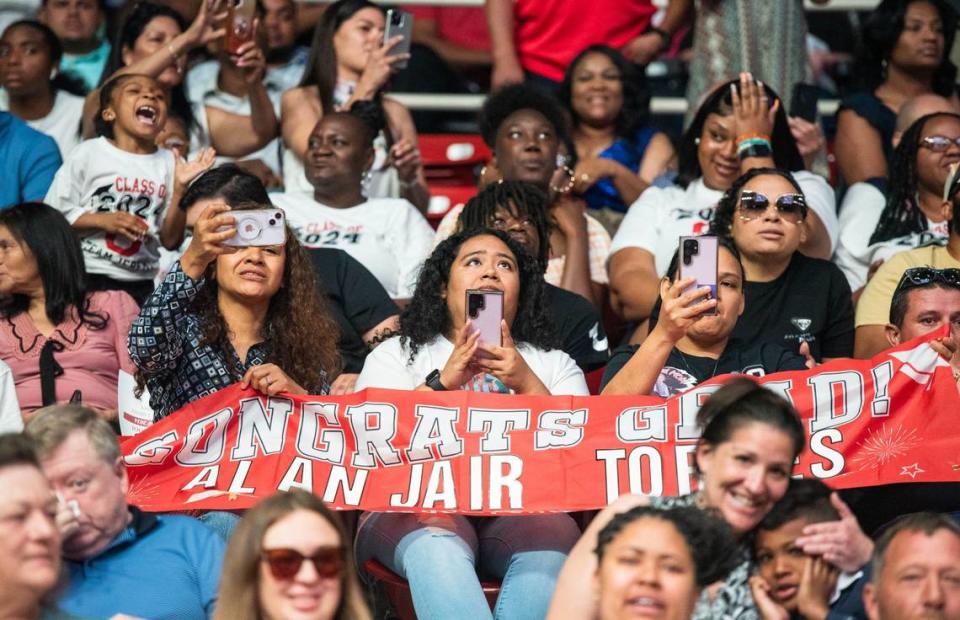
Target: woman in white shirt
736,113
33,88
387,235
437,349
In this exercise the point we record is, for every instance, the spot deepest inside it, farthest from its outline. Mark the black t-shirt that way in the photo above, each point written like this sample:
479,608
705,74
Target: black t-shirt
579,327
810,301
683,371
358,302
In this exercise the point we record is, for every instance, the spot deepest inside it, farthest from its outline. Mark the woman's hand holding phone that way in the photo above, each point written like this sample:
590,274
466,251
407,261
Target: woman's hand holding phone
380,66
213,228
459,367
680,308
506,363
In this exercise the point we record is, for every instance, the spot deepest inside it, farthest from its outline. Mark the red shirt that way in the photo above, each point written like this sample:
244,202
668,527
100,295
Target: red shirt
549,33
464,26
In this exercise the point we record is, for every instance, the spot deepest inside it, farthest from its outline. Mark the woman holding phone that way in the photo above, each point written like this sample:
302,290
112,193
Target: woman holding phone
227,313
438,348
349,61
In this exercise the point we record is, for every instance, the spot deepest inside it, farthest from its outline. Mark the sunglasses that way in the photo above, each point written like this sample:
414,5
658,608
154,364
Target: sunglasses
284,564
791,207
939,144
922,276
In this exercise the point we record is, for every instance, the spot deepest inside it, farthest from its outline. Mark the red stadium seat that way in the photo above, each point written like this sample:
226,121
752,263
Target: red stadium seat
398,590
445,197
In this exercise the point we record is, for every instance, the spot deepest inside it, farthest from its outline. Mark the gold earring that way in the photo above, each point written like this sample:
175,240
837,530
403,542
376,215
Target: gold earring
570,182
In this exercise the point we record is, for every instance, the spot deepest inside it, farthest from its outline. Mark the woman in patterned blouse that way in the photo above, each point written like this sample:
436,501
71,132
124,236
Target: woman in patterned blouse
225,314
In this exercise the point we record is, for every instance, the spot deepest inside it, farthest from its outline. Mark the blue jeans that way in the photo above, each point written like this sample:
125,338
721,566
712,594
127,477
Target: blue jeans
440,556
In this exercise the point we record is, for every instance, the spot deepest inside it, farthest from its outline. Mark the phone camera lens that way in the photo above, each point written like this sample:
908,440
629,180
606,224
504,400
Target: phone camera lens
272,221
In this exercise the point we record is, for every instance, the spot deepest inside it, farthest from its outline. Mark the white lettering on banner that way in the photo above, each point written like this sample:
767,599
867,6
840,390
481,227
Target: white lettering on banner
440,488
818,447
256,429
195,451
496,426
298,476
316,442
207,478
559,429
690,403
654,427
610,460
435,426
376,436
826,413
684,455
152,452
882,375
339,481
239,477
654,471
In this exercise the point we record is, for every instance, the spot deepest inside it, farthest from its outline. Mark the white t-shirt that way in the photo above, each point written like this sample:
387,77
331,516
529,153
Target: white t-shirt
98,177
859,215
10,419
387,235
663,214
62,123
389,366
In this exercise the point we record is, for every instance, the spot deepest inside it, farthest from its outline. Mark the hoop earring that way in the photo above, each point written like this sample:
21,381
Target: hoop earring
696,141
570,182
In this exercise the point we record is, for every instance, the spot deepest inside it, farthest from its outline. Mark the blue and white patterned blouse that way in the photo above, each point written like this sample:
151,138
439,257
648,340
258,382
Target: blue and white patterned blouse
165,344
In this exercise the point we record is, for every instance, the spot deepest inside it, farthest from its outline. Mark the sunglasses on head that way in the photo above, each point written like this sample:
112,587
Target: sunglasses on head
792,207
284,564
938,144
922,276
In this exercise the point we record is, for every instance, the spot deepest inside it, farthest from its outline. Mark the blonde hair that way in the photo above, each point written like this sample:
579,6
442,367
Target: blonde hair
239,595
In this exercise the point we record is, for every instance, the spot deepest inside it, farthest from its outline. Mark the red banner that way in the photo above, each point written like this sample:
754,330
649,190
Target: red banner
895,418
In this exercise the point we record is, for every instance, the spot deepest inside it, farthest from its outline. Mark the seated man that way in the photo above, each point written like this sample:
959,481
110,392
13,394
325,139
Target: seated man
873,333
790,583
120,560
686,346
916,570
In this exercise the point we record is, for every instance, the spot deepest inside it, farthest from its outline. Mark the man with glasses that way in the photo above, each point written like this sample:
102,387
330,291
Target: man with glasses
873,333
120,560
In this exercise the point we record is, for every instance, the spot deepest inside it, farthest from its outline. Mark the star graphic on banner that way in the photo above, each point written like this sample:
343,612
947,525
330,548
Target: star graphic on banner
911,470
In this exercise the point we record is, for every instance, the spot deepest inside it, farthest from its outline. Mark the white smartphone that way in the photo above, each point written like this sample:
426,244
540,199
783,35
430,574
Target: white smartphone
698,259
258,227
399,23
485,311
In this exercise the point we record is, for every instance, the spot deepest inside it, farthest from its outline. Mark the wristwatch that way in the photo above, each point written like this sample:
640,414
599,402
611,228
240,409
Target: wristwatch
433,381
664,35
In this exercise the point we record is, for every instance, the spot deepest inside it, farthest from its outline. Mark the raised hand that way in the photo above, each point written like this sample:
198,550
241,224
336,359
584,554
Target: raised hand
842,542
752,111
270,379
459,367
214,226
679,310
187,171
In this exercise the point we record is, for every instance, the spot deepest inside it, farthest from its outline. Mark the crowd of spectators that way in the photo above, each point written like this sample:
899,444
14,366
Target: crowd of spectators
136,137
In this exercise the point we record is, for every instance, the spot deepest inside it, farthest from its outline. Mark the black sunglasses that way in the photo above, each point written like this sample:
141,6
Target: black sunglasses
922,276
792,207
284,564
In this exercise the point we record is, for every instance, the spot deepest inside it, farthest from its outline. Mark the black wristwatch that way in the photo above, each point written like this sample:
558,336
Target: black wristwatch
663,35
433,381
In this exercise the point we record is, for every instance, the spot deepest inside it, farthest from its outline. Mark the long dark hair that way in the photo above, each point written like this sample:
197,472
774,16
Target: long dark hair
321,69
133,26
635,112
426,316
722,222
902,215
55,247
61,81
879,35
786,156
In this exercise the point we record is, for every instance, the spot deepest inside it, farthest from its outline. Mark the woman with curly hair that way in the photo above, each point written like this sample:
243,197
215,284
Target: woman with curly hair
225,314
438,349
905,53
290,557
619,153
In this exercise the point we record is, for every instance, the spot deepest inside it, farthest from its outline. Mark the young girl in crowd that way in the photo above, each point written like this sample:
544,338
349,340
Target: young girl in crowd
120,191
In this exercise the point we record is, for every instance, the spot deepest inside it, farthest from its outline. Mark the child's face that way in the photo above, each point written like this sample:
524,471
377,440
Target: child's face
780,561
138,109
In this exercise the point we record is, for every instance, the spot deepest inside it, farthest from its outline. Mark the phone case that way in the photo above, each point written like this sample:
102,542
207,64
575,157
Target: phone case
259,227
240,14
698,259
485,311
399,23
804,101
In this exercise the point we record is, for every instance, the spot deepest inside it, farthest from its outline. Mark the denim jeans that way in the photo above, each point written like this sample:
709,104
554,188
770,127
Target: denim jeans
440,556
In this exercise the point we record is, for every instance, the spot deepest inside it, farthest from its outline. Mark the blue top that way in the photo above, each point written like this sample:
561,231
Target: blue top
160,566
629,153
28,161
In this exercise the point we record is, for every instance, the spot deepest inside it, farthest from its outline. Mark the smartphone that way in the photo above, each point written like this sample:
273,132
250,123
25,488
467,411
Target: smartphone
803,103
399,23
258,227
240,14
485,311
698,259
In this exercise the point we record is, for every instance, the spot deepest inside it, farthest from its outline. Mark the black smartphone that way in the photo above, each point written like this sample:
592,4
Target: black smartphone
804,101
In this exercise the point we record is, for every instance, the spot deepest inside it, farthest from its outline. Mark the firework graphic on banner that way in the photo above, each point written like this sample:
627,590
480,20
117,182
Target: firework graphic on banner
884,445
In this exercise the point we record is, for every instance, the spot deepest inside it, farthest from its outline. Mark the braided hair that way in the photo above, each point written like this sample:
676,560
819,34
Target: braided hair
902,215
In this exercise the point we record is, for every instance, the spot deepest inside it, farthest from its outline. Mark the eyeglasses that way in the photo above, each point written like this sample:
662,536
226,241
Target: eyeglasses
922,276
939,144
791,207
284,564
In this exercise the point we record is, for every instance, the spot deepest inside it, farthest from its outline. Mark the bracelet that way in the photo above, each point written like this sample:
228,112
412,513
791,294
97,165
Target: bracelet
745,144
173,52
755,150
752,134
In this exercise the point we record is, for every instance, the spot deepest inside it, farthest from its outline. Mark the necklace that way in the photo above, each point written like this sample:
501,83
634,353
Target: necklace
713,373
